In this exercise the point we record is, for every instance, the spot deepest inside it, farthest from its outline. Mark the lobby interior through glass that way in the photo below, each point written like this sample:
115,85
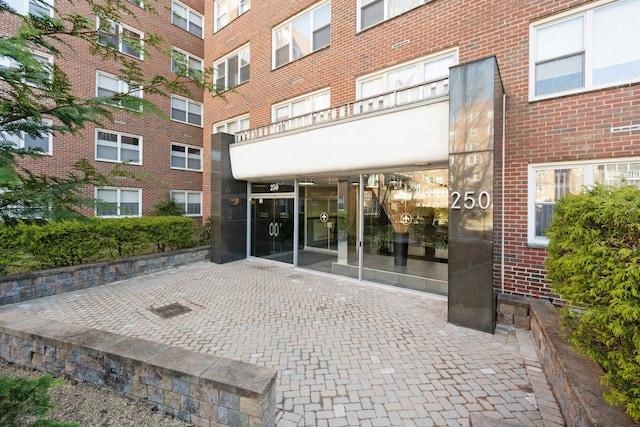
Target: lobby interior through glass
389,227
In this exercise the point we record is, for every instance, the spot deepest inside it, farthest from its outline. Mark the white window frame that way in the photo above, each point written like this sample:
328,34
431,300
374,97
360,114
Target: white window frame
240,123
585,12
186,156
385,74
190,13
19,141
119,202
118,146
387,12
231,10
186,60
122,87
242,52
589,179
188,102
307,98
286,29
24,7
186,195
122,44
138,3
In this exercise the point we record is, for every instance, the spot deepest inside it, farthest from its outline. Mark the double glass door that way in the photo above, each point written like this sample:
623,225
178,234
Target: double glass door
272,228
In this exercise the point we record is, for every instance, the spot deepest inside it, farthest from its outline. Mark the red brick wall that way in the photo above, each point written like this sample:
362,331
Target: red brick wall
575,127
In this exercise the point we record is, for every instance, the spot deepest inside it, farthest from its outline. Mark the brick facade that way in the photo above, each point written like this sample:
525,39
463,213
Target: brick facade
569,128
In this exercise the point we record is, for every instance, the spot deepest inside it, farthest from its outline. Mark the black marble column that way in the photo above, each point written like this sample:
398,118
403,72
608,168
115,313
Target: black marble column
228,205
475,107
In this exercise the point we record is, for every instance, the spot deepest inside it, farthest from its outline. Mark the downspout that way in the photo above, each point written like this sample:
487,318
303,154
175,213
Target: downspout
502,245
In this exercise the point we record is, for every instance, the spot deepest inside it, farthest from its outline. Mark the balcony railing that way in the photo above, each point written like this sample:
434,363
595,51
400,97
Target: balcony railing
382,102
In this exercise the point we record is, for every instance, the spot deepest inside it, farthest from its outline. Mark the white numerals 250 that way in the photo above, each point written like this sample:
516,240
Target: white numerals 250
470,200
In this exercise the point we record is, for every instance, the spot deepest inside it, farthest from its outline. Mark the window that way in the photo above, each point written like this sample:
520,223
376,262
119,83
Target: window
372,12
191,201
116,202
226,11
186,64
423,70
108,86
138,3
232,70
27,142
300,106
186,157
121,38
187,19
32,7
232,126
600,47
302,35
118,147
186,111
549,183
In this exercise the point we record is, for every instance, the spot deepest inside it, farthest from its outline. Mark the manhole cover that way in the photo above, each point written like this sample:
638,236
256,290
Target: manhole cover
170,310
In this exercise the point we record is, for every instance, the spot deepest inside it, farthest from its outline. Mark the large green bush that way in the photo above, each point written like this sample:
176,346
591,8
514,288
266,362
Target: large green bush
29,246
594,264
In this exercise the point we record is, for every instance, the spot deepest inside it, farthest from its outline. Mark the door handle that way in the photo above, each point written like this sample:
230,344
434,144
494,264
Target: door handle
276,228
271,229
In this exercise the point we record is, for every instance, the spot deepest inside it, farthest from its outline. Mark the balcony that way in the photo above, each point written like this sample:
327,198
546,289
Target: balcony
402,128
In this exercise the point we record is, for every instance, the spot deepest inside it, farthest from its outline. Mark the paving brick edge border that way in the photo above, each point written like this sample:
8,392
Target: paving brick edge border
195,387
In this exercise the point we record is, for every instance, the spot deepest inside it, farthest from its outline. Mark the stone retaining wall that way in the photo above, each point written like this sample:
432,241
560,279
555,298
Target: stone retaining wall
198,388
574,379
36,284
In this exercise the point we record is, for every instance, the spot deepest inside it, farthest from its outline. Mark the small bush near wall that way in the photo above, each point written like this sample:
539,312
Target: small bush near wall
594,263
26,247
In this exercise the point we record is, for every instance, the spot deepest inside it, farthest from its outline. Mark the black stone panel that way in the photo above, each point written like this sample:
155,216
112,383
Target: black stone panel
472,302
228,205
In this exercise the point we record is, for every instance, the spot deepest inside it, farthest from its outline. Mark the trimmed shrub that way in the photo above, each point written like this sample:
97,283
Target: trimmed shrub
594,264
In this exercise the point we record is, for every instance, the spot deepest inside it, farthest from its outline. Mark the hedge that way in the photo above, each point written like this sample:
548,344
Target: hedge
594,264
62,243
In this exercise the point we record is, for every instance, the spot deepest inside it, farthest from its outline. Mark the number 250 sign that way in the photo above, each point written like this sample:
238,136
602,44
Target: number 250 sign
470,200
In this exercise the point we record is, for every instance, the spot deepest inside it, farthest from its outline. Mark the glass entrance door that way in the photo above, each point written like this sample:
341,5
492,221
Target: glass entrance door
272,228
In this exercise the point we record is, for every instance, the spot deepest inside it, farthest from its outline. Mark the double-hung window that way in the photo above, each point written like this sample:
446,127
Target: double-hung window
190,201
433,70
118,147
121,37
186,64
232,126
39,76
226,11
108,86
118,202
548,183
25,141
186,157
32,7
300,110
233,69
600,47
303,34
187,18
186,111
372,12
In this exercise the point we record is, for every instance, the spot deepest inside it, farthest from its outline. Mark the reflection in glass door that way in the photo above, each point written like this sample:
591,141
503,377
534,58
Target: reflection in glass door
272,228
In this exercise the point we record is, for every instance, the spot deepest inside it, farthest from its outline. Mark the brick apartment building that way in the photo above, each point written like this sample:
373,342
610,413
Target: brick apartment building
418,143
164,152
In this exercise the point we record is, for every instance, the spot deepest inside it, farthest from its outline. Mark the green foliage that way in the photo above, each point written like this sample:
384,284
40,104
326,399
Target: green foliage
594,263
23,399
168,207
63,243
203,233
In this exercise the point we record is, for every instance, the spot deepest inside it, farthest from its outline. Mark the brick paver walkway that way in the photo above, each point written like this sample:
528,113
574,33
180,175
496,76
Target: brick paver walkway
347,354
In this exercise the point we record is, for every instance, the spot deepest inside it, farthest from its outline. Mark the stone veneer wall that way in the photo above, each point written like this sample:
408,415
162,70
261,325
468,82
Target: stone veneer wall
36,284
574,378
198,388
